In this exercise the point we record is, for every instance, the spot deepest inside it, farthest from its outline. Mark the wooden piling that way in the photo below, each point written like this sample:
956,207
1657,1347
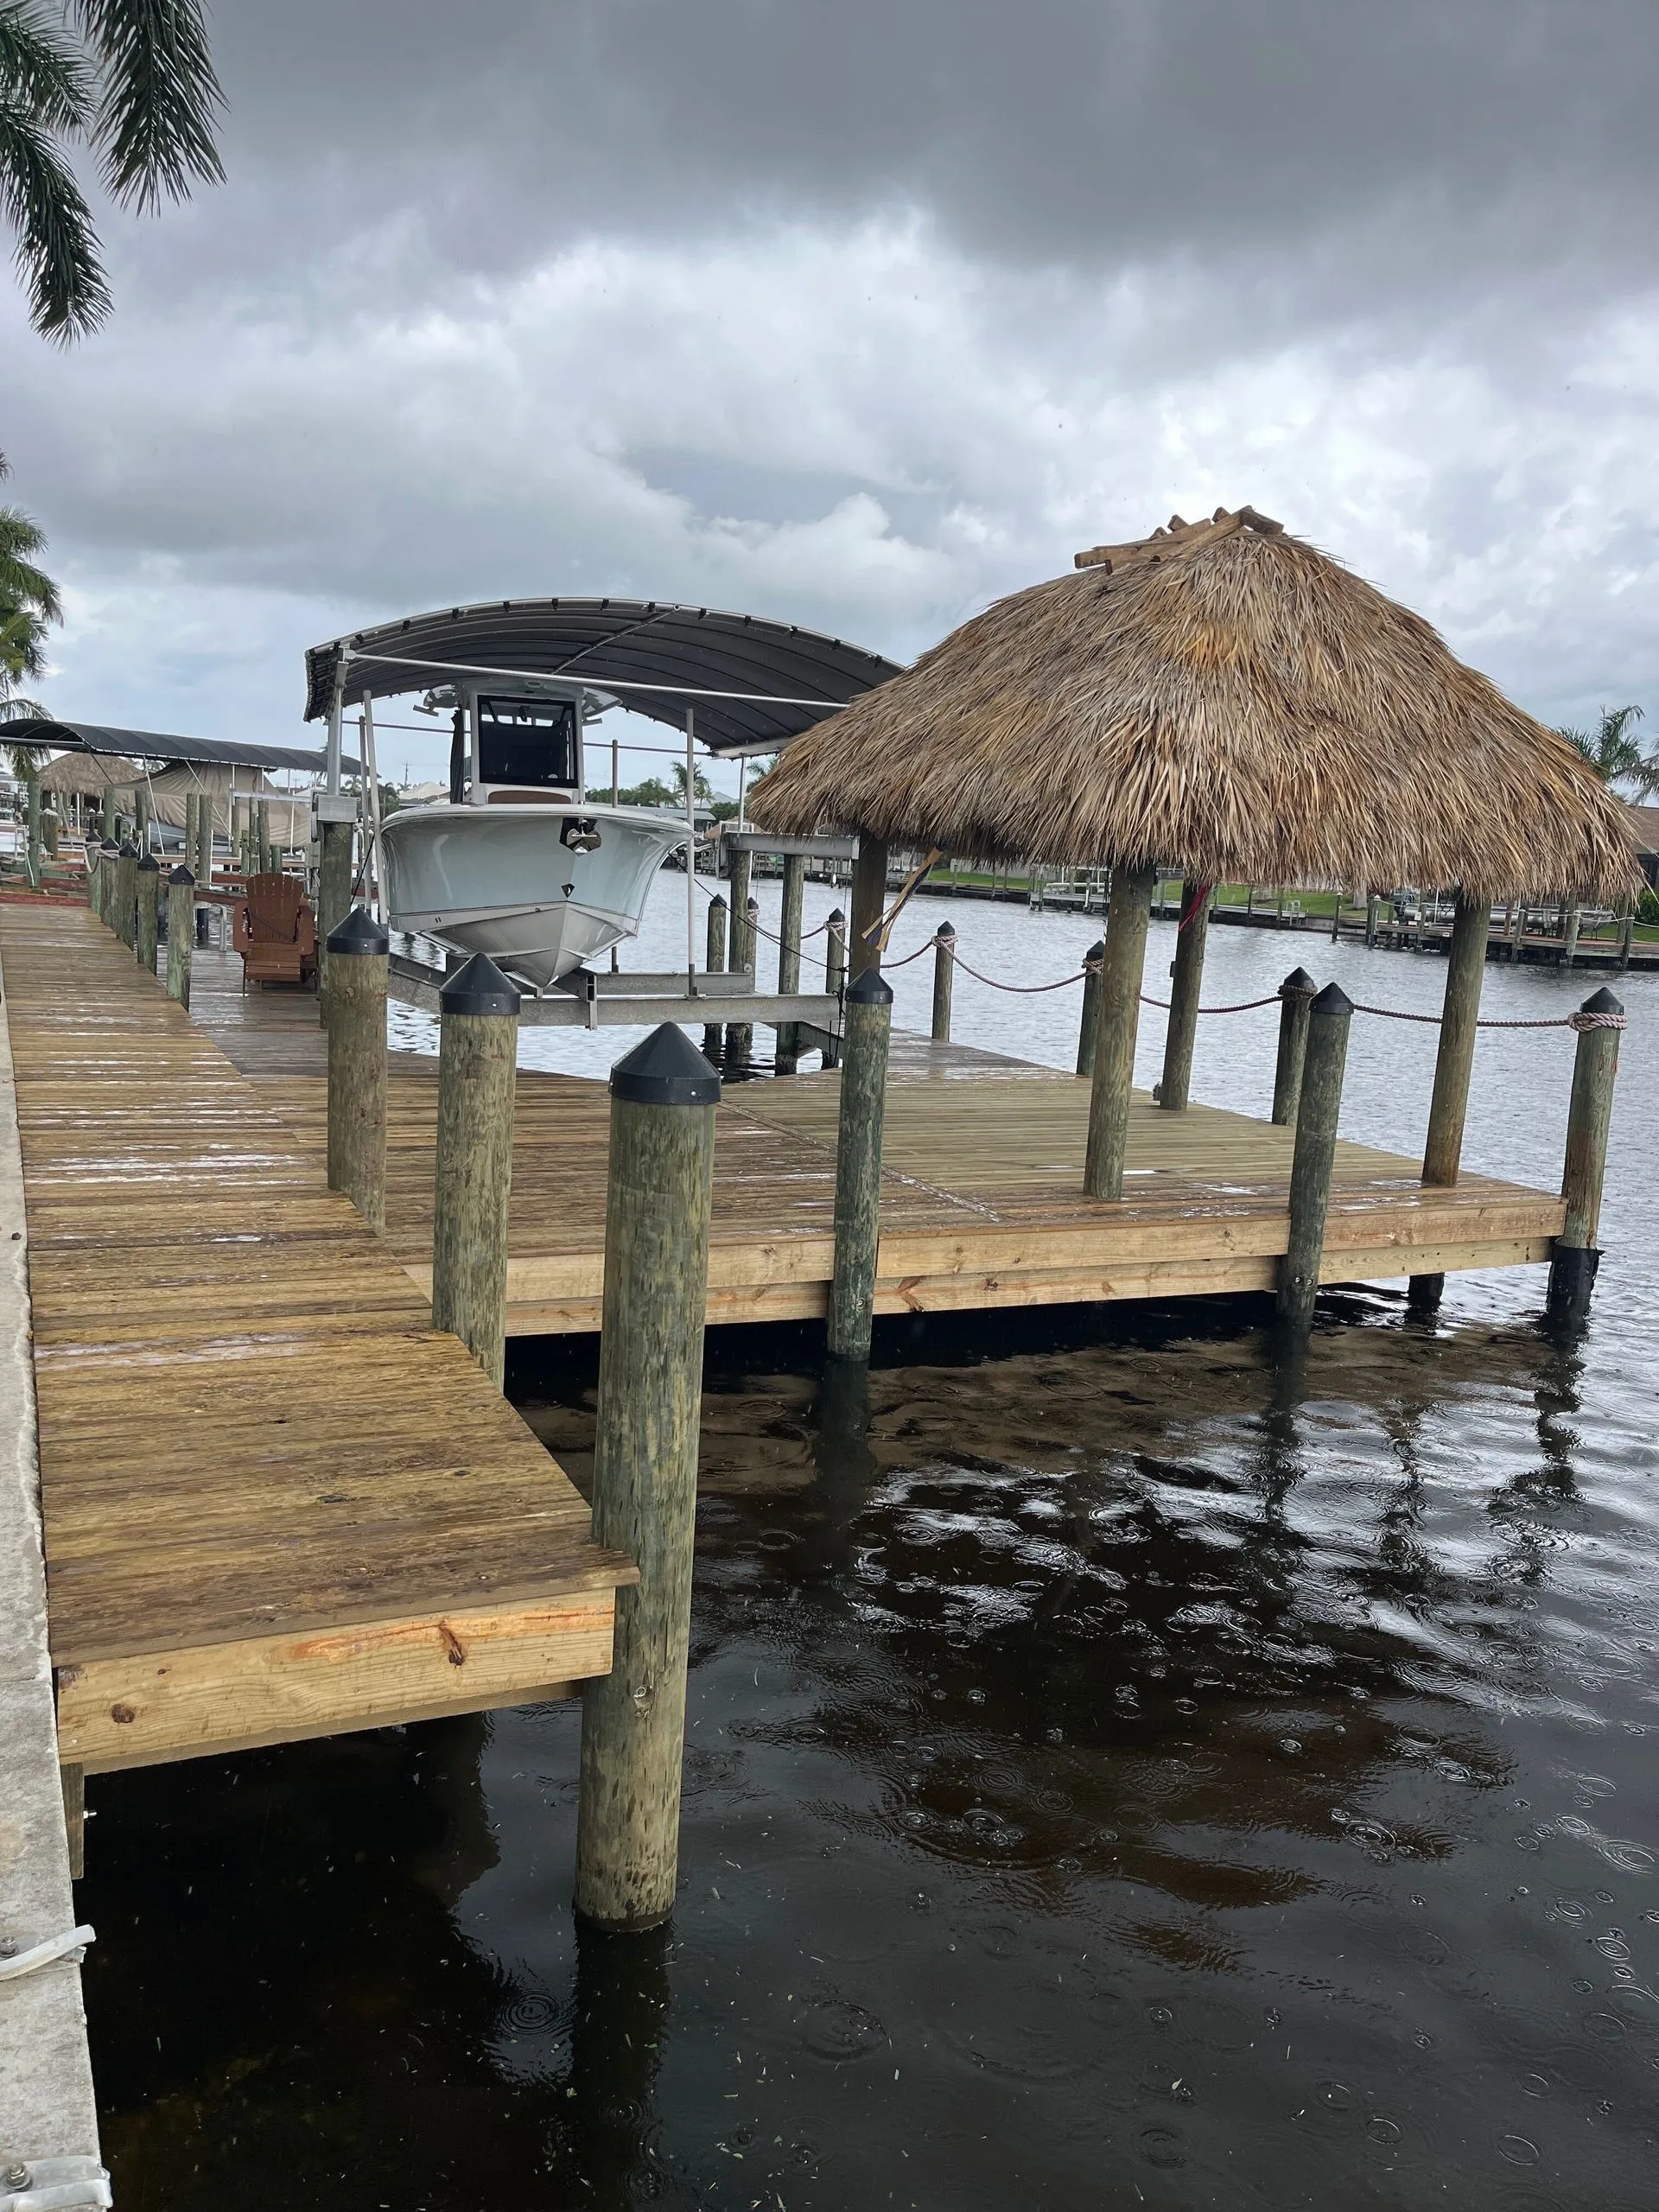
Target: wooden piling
1296,995
868,1023
1185,984
739,1035
1589,1116
835,973
714,961
125,918
1120,1014
1455,1060
478,1051
1317,1113
944,972
32,832
663,1100
788,1052
357,953
180,933
1089,1021
869,903
147,885
202,866
262,835
334,895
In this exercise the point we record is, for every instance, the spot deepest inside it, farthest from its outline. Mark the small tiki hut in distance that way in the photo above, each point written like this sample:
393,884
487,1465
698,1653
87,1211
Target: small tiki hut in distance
1225,699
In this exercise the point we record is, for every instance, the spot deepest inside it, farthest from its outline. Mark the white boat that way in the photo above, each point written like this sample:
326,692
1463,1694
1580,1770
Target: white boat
515,861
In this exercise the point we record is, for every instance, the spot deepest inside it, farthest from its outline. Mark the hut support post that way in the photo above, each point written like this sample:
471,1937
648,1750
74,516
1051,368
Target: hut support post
835,974
869,903
1187,981
1088,1020
739,1035
1296,995
1316,1150
867,1025
944,971
663,1097
787,1050
181,931
478,1051
1589,1114
1454,1062
714,961
147,881
357,1065
1120,1010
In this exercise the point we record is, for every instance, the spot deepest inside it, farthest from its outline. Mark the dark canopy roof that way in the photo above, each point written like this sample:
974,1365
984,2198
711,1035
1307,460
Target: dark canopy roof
614,644
151,745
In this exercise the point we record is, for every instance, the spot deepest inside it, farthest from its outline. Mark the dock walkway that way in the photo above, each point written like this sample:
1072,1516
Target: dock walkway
982,1199
275,1503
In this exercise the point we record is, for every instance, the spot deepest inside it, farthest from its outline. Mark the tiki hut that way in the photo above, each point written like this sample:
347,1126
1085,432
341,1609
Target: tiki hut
1220,699
1224,700
79,776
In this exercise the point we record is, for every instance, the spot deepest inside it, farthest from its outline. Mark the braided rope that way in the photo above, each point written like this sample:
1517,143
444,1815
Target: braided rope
1245,1006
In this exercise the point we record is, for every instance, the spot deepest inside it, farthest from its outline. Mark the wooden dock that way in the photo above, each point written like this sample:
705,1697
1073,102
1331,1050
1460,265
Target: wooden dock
276,1504
982,1206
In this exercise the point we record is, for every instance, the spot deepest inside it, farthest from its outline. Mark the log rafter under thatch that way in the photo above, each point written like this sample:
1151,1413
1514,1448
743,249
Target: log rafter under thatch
1225,699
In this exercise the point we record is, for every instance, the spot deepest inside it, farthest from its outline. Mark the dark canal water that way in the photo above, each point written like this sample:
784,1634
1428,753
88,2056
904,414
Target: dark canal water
1122,1772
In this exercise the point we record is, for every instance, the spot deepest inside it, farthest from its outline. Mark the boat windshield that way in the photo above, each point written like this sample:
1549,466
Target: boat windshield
530,742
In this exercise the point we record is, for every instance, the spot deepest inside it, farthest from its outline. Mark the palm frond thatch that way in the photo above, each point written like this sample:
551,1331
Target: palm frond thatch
1221,698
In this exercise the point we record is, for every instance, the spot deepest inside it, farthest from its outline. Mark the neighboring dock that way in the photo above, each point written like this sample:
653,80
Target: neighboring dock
276,1504
982,1201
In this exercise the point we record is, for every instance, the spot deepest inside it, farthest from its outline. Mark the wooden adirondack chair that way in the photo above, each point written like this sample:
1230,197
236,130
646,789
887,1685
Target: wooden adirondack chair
276,932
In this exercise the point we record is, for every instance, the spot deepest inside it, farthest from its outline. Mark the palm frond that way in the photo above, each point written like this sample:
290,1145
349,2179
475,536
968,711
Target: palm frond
21,583
160,101
40,73
57,246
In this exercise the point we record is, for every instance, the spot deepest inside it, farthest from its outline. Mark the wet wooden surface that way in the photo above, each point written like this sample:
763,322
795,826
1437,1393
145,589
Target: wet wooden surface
982,1201
276,1504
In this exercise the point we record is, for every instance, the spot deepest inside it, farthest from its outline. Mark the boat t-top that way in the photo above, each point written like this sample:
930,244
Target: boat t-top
518,859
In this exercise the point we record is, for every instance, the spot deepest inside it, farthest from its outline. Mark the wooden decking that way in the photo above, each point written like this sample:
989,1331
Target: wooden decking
275,1503
983,1203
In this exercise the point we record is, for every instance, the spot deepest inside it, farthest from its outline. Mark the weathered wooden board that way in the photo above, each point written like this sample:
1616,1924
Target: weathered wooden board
276,1501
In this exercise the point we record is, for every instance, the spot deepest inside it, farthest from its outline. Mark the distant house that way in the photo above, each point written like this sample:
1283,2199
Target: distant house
1645,820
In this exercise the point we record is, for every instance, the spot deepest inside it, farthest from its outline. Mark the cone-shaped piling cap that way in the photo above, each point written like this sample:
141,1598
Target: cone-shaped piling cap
1603,1002
478,987
667,1070
871,988
945,929
125,852
359,932
1332,999
1097,951
1298,984
149,861
181,875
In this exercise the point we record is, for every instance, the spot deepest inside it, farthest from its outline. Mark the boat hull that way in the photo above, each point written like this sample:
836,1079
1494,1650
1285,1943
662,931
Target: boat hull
500,879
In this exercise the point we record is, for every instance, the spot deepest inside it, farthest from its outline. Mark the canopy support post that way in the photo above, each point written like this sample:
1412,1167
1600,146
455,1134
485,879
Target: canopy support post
1453,1064
1187,972
869,903
1120,1014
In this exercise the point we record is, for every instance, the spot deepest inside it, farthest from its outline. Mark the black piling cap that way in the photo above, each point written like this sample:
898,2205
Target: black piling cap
125,852
667,1070
149,861
1603,1002
1300,983
110,847
945,929
1332,999
359,932
1097,951
478,987
871,988
181,875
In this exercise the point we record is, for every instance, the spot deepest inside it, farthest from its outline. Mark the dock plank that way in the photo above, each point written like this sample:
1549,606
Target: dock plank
270,1490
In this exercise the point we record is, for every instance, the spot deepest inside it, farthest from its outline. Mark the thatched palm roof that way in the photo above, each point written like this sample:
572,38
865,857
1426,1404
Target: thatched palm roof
1222,698
92,774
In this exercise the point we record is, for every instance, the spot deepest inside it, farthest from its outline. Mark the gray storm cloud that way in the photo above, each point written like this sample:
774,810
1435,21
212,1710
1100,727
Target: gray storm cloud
861,313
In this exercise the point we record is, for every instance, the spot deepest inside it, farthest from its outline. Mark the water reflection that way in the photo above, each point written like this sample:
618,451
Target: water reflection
1172,1769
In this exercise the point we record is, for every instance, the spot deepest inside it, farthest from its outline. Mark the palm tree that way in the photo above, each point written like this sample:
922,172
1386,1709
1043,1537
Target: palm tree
28,604
1614,753
132,80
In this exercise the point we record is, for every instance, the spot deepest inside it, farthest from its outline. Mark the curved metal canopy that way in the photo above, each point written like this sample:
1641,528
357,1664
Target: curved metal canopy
151,744
781,679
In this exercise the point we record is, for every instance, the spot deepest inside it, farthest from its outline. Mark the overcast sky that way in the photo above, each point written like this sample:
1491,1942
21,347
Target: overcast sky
860,315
